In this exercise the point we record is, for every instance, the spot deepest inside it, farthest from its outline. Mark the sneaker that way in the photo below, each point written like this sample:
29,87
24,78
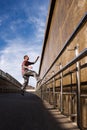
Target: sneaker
38,78
22,92
22,88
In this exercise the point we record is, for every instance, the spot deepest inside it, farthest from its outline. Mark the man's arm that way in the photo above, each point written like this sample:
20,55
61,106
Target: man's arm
30,63
36,59
27,67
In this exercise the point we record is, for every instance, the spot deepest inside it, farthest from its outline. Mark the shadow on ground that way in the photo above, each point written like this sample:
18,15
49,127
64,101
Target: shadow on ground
27,112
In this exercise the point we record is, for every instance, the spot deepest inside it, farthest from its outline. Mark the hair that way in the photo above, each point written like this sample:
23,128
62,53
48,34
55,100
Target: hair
25,56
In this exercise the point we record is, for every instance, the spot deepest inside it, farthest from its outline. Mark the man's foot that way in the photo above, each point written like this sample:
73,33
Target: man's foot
22,92
38,78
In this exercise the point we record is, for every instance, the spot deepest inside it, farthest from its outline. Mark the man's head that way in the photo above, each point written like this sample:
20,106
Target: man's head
26,57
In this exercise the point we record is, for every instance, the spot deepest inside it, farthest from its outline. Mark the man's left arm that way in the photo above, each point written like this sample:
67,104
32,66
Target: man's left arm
30,63
36,59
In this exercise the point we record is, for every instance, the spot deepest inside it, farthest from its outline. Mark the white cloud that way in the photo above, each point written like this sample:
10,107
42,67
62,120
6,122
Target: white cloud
12,57
39,26
38,23
3,18
37,18
0,22
16,23
43,9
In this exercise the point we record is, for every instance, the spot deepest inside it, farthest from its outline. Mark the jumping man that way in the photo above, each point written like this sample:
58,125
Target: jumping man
27,72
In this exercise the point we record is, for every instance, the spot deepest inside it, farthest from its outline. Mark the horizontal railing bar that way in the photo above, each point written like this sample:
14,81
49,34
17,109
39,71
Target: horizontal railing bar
57,92
64,75
68,73
69,85
83,66
84,83
74,70
68,93
65,93
83,95
76,59
80,25
72,115
49,82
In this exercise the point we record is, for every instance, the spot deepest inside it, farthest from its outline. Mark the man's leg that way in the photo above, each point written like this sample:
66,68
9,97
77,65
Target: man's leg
26,79
32,73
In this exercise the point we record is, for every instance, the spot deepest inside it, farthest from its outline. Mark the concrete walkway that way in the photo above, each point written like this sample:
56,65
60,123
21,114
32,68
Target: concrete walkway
29,112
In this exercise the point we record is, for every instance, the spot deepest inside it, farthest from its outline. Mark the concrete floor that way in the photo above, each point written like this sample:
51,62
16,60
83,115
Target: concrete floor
29,112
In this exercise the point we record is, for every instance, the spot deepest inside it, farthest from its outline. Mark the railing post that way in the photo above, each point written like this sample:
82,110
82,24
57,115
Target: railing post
41,92
54,102
49,94
72,99
45,90
61,90
39,86
78,90
71,94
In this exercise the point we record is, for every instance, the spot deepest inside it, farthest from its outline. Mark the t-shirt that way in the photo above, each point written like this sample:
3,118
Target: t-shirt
26,63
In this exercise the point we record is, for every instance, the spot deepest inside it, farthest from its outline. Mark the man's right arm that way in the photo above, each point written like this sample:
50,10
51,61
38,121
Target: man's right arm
26,67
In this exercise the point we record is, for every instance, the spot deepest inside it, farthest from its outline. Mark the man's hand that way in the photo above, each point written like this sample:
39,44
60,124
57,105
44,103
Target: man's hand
30,67
36,59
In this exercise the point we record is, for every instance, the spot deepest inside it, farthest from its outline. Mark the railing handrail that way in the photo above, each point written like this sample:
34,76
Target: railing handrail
76,59
79,26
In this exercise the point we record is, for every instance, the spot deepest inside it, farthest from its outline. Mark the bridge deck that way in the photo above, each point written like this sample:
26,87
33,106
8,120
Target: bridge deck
29,112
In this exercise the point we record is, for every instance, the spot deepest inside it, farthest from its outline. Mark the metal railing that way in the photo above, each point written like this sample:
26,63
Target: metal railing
48,87
74,61
79,57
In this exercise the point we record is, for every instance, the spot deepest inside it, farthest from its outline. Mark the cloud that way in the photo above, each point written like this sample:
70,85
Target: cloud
15,24
39,25
34,17
17,45
3,18
43,9
37,18
0,22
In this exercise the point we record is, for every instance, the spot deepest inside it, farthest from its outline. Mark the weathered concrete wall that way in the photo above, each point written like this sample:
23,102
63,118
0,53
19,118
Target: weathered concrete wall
66,16
8,83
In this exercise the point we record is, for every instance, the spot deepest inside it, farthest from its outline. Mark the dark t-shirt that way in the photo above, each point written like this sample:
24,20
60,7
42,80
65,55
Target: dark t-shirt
26,63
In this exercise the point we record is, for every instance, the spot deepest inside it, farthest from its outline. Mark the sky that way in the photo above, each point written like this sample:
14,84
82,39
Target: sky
22,28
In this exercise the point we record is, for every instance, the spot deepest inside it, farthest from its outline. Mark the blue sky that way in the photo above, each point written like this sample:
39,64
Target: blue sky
22,28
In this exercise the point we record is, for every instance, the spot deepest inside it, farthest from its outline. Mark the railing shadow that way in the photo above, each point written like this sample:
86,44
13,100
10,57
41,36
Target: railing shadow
27,112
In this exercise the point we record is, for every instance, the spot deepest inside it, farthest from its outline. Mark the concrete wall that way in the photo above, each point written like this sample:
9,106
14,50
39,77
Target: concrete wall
64,17
8,83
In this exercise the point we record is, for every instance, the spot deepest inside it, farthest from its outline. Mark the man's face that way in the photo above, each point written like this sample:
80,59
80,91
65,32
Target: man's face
27,58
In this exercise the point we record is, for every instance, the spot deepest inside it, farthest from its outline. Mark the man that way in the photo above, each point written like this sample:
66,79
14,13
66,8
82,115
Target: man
26,71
